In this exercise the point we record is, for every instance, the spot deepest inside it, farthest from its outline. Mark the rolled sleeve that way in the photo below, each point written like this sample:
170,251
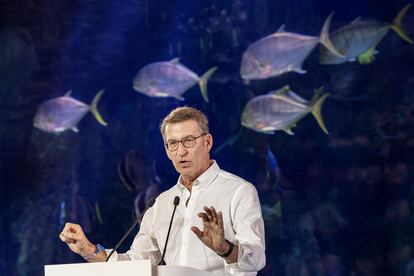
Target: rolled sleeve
249,232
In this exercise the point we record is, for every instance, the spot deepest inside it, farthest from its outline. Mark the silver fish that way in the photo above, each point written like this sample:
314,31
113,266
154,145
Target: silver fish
282,52
359,39
281,110
169,79
63,113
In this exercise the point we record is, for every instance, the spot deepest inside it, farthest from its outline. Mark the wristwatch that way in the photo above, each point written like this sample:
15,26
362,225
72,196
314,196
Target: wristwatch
225,255
98,248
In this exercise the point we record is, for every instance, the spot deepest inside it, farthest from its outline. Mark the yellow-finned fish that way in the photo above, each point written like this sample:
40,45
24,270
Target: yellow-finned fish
358,40
281,110
282,52
64,113
169,79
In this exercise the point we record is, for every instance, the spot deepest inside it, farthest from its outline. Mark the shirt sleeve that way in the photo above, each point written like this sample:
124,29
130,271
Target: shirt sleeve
248,226
144,246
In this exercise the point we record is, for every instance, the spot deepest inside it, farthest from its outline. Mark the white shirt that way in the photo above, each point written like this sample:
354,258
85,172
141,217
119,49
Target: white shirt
236,198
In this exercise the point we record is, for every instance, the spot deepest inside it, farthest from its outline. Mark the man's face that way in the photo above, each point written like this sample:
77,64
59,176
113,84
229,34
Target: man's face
189,162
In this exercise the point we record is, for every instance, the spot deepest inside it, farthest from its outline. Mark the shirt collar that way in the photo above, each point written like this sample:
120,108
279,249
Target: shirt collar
205,179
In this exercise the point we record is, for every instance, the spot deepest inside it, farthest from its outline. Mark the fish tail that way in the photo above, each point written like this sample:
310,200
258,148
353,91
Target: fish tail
316,109
396,24
94,108
324,38
203,82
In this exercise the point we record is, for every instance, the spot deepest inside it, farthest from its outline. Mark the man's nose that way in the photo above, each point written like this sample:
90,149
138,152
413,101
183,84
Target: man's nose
181,149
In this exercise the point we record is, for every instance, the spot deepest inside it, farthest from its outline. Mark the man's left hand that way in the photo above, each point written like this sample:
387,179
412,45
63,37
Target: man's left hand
213,232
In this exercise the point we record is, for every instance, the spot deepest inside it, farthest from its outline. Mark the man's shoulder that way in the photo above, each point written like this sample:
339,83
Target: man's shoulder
233,180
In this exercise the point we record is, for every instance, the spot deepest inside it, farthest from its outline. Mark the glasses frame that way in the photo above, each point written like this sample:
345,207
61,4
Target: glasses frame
181,141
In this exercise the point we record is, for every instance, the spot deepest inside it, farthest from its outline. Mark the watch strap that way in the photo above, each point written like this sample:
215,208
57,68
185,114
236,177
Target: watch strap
231,245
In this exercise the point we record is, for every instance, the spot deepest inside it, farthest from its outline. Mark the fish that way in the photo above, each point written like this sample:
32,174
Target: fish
282,52
281,110
64,113
170,79
358,40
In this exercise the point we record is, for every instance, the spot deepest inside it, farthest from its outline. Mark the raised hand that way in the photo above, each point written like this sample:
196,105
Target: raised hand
72,234
212,234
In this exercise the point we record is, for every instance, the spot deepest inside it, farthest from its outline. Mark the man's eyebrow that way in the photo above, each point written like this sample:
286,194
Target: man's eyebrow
188,136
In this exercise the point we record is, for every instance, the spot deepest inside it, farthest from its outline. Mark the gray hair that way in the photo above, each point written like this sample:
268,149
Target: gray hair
181,114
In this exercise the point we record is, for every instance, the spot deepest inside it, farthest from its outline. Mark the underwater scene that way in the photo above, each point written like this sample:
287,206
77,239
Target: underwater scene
311,101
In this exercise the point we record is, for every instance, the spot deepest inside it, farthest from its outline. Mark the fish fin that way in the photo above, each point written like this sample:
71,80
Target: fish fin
281,29
324,37
67,94
367,57
94,108
203,82
356,20
175,60
297,98
300,71
98,213
179,98
282,91
396,24
75,129
59,130
316,110
288,131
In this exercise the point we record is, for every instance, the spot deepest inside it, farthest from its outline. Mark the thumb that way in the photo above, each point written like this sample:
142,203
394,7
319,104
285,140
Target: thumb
197,231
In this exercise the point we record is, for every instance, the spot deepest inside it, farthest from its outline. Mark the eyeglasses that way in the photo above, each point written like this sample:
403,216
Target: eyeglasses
188,142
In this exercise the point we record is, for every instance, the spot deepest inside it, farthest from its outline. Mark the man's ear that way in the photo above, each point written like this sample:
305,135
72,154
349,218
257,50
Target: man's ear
209,142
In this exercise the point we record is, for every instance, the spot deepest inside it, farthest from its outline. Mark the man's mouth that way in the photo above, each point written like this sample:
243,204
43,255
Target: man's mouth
184,162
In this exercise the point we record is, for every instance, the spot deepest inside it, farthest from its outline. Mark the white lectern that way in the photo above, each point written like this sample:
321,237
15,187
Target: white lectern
123,268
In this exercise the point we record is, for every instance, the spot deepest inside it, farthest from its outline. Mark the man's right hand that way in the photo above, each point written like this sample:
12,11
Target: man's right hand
72,234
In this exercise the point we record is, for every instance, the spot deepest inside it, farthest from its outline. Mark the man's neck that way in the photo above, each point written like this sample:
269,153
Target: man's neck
188,183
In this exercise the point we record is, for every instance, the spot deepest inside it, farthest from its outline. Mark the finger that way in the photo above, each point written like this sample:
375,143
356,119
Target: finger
72,228
208,212
220,220
214,214
72,236
61,237
66,240
197,231
203,216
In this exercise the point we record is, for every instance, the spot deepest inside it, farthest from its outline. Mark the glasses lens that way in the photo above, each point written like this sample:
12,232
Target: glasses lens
172,145
189,142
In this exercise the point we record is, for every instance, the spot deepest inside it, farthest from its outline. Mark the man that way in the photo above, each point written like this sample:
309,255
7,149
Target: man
218,225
